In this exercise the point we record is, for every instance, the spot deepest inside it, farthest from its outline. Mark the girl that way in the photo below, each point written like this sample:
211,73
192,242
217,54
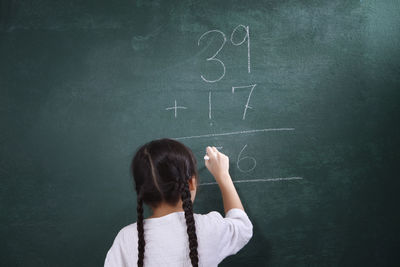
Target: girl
166,178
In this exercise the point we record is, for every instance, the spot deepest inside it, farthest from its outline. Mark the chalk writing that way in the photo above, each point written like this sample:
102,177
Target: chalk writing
175,108
252,86
240,158
244,163
278,179
209,105
213,58
234,133
246,37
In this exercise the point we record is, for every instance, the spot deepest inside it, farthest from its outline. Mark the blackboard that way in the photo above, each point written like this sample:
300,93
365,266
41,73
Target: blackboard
303,96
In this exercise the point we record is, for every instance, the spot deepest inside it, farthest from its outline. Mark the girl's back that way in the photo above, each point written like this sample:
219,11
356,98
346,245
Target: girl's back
166,240
165,174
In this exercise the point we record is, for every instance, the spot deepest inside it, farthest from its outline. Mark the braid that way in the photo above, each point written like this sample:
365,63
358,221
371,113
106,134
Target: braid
161,170
187,206
140,230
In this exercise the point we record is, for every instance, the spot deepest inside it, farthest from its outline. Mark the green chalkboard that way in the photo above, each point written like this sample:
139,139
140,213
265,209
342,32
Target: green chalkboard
303,96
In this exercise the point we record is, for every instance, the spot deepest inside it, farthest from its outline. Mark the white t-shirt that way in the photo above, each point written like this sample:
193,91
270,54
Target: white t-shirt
167,240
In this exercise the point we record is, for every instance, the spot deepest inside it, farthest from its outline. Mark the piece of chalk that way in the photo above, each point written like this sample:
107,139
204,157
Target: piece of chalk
206,157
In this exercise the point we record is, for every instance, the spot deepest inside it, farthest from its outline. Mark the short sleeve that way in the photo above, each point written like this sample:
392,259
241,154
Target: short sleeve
234,232
115,255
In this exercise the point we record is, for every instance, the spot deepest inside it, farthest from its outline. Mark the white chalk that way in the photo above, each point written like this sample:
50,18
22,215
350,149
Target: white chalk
206,157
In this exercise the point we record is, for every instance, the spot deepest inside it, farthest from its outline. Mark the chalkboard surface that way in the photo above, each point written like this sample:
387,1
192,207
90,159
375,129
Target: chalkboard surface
303,96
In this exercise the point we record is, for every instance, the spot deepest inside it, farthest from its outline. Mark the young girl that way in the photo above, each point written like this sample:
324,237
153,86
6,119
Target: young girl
166,178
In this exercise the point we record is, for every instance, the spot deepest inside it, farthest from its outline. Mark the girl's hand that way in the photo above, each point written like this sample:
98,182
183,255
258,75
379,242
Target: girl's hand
217,164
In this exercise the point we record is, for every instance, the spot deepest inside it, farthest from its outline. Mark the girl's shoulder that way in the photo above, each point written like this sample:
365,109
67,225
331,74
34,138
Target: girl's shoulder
216,217
212,215
232,213
127,233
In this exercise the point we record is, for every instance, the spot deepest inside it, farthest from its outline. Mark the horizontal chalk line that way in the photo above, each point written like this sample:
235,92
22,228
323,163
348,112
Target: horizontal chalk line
260,180
233,133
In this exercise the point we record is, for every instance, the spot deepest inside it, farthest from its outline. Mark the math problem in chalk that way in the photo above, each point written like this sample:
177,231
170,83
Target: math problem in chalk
240,35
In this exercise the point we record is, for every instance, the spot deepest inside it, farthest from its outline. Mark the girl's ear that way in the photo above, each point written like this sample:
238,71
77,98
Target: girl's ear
192,183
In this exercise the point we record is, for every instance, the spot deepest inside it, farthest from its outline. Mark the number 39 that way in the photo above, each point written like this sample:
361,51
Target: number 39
217,60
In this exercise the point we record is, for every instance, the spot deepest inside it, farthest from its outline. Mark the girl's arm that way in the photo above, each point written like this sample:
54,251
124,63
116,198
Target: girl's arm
218,165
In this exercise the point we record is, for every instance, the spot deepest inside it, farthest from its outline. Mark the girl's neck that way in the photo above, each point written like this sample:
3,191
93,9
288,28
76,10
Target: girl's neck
164,209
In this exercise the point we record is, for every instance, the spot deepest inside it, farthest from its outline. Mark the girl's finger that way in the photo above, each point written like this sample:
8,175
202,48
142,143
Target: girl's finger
210,152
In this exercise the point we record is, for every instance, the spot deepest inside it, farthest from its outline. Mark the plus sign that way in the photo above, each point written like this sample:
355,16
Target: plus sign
175,108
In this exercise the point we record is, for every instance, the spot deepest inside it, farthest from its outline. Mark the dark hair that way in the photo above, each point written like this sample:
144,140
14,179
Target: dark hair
161,170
